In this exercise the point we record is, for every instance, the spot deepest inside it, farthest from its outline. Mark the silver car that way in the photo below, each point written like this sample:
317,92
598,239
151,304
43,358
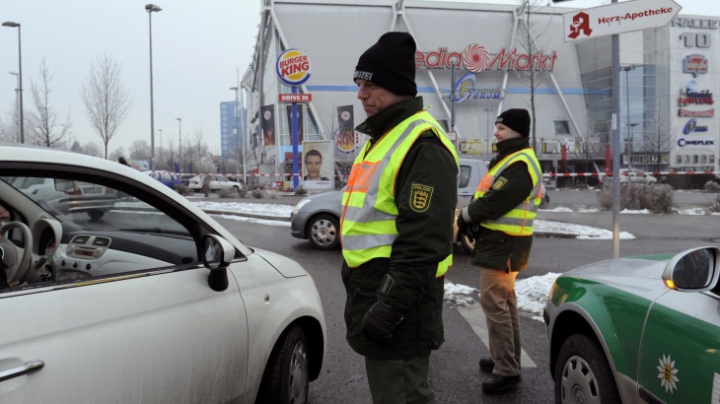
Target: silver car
317,217
154,302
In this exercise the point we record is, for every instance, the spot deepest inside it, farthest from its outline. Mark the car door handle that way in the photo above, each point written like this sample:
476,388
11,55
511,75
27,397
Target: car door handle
28,367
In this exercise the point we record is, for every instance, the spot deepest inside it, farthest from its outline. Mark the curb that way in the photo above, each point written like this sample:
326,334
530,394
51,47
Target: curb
242,214
545,234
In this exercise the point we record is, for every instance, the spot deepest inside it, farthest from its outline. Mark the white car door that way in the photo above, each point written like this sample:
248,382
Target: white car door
152,332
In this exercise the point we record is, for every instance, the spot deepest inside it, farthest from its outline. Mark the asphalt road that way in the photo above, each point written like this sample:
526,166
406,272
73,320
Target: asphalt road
454,373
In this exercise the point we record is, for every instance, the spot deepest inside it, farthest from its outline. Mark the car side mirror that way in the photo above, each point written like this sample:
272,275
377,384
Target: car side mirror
694,270
217,254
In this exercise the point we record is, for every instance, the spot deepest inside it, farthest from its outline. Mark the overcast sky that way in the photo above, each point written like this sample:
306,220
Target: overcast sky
198,48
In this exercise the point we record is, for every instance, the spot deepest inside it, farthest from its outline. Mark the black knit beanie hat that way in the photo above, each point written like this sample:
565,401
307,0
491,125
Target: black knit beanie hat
517,119
390,63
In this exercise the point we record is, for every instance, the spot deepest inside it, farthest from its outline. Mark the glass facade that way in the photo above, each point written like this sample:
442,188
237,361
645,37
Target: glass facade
230,142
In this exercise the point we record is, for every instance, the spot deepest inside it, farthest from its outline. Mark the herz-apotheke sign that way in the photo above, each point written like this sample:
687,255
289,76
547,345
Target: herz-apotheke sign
618,18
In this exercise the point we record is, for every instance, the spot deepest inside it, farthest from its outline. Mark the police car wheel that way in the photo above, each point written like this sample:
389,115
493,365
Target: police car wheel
582,373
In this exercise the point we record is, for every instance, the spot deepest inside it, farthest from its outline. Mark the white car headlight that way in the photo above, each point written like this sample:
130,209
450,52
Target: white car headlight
300,205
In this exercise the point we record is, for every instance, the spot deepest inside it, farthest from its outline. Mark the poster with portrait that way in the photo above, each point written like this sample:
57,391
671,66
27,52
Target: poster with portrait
268,125
344,136
318,165
301,131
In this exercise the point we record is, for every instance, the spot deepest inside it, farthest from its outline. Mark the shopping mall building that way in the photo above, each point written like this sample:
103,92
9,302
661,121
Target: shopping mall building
498,60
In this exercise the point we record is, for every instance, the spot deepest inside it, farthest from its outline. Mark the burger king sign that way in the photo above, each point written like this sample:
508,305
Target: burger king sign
293,67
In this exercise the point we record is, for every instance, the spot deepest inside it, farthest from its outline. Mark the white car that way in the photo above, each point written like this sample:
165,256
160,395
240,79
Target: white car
217,182
74,198
635,176
155,302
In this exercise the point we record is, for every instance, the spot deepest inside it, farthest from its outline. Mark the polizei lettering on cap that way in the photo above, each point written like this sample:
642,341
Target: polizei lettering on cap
362,76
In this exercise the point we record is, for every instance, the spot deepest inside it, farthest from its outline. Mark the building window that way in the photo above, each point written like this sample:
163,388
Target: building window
561,127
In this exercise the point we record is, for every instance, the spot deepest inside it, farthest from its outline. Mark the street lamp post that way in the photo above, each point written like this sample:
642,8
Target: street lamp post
20,90
627,69
17,102
237,133
150,8
179,144
161,150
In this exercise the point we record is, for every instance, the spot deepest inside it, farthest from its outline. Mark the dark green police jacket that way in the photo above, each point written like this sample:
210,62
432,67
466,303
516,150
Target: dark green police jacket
424,239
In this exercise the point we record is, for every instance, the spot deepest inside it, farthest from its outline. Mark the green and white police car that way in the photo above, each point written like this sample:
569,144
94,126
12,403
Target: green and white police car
637,330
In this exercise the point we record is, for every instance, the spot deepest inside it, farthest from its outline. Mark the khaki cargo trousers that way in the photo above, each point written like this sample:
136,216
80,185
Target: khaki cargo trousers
499,303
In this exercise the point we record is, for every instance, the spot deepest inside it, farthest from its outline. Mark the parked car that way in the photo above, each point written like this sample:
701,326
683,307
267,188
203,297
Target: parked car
217,182
317,217
635,176
155,302
643,329
185,179
73,197
166,177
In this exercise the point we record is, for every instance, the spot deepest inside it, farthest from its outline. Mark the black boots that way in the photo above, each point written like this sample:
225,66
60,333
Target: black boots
487,364
495,383
500,384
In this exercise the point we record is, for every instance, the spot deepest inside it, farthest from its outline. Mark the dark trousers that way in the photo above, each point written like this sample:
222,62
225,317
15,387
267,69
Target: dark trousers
400,381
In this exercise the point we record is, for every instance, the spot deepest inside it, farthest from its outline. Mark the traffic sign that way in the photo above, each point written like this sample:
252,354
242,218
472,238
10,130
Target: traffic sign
617,18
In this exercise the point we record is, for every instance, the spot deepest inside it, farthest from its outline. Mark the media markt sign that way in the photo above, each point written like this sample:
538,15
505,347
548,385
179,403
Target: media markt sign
617,18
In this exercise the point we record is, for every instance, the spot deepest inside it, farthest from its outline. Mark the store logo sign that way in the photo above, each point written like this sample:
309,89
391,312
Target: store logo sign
476,59
696,114
692,126
685,142
580,24
695,64
695,98
695,23
293,67
465,89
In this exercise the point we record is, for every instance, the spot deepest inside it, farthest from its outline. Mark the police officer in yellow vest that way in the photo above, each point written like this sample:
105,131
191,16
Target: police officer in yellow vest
505,205
397,226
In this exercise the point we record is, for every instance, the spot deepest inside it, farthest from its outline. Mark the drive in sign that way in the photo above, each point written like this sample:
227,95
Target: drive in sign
617,18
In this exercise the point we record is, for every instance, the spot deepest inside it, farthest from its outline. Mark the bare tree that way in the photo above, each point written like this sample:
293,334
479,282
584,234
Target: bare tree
139,150
584,152
92,149
10,128
5,133
196,151
115,155
107,102
528,43
658,138
43,121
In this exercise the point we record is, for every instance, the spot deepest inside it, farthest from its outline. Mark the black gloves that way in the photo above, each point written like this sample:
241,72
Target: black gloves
380,322
469,229
462,224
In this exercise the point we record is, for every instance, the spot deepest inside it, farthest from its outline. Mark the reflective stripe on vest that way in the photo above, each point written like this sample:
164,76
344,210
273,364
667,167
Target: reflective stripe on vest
367,224
519,220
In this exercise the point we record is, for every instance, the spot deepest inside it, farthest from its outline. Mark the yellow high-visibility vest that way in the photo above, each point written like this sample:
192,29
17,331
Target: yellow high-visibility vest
519,220
367,224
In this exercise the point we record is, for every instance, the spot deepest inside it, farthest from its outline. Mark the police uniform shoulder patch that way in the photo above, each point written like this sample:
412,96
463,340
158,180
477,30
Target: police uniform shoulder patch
420,197
499,183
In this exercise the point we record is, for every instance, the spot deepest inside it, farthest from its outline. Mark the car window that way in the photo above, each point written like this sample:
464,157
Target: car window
464,177
101,232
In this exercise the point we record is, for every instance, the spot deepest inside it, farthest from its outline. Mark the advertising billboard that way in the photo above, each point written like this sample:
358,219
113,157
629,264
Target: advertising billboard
318,165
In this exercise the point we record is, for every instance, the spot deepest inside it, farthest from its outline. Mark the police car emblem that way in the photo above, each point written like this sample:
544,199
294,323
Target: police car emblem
420,197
